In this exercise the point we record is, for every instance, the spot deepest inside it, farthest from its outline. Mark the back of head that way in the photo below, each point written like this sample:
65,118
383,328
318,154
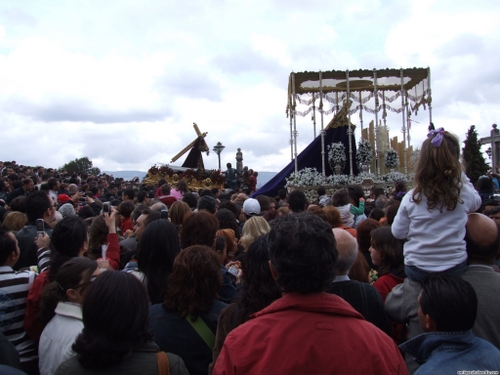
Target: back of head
15,220
129,193
69,235
227,220
333,217
158,247
264,202
107,340
341,198
177,212
259,288
199,229
450,301
438,171
141,196
126,208
391,211
7,245
347,248
159,243
297,201
207,203
194,282
364,230
165,189
254,227
303,253
482,239
37,203
190,199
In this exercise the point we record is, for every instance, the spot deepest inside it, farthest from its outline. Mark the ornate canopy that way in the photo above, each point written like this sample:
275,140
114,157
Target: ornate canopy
362,85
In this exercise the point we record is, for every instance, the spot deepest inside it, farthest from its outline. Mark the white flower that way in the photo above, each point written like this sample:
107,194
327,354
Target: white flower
364,154
336,154
391,158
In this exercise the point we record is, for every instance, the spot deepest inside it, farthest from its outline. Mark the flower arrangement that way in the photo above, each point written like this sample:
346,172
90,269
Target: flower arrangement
305,177
364,154
336,155
194,178
391,158
414,157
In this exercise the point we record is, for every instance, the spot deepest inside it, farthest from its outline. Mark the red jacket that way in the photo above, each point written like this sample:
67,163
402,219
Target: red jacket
309,334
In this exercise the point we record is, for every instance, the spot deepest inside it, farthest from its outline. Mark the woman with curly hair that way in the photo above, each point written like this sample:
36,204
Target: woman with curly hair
115,337
190,301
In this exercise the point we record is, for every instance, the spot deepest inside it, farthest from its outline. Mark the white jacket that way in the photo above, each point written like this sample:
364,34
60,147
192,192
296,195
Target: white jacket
58,337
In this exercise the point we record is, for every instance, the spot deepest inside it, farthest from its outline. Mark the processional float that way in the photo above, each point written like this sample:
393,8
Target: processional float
374,91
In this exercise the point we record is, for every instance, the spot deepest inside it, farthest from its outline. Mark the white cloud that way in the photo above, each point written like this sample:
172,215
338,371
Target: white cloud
122,83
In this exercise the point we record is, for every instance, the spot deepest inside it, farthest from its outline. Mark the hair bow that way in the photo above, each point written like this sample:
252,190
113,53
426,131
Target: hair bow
438,139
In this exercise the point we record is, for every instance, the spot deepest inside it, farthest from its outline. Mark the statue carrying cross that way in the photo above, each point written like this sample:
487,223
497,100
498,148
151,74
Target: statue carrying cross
194,158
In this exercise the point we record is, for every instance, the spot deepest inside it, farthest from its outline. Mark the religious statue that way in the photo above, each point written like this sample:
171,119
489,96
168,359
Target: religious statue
239,161
194,158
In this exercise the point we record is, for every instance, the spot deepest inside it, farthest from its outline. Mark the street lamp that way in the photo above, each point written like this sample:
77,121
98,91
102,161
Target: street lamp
218,149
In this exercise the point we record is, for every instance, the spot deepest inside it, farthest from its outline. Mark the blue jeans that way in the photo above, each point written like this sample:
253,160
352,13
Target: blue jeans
416,274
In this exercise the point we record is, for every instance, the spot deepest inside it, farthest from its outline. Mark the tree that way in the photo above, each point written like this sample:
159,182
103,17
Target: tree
475,164
80,166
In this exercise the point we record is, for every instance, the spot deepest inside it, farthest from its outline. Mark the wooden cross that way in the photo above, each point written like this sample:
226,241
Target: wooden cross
203,146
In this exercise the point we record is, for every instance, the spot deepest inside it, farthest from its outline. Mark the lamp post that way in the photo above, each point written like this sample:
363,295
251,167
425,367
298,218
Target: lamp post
218,149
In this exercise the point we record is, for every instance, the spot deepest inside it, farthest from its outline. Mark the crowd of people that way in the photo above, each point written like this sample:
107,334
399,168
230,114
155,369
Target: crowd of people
100,275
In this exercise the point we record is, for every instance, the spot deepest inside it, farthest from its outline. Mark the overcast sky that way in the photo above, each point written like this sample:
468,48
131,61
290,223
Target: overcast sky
123,81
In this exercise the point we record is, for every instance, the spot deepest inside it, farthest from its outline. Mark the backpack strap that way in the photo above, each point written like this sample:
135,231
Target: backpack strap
163,365
202,329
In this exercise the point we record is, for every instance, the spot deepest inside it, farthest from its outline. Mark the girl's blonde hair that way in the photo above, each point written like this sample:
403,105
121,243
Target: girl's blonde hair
438,172
254,227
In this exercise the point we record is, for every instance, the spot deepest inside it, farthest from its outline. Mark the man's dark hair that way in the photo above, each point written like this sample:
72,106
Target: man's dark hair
303,253
125,209
37,203
204,192
231,206
138,211
207,203
282,193
297,201
480,252
67,239
199,229
18,204
321,190
450,301
86,212
190,199
7,245
151,215
52,183
264,201
130,193
165,189
141,196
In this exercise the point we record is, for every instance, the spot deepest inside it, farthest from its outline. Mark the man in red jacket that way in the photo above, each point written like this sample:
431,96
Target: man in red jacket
307,331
